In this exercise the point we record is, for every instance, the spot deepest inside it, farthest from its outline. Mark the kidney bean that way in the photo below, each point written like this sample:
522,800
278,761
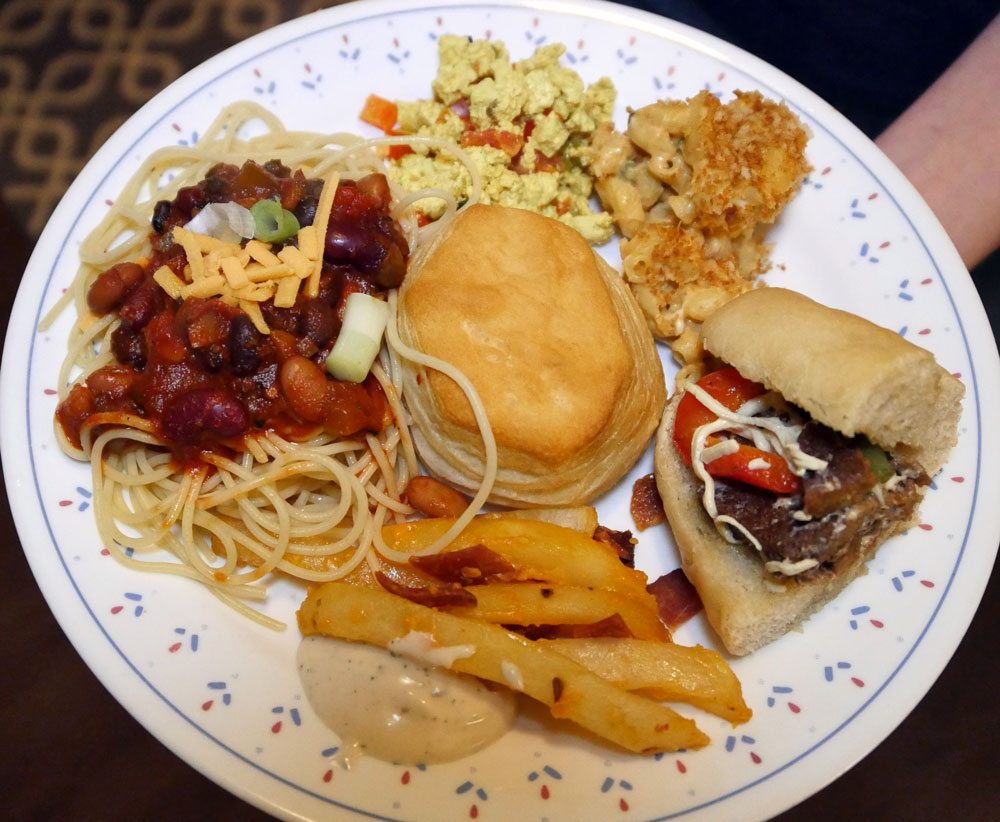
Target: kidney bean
434,498
112,286
142,304
243,342
305,387
350,242
188,199
129,346
319,322
211,411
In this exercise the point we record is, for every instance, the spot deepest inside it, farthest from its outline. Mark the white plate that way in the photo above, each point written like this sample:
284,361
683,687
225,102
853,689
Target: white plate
223,692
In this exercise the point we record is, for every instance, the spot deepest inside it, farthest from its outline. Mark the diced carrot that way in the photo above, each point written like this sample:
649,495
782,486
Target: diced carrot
379,112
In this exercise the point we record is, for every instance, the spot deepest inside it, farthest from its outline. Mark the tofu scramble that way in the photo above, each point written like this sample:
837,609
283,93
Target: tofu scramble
525,127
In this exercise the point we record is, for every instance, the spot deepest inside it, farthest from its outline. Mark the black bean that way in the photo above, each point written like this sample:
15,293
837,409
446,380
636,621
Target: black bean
129,346
161,213
243,342
319,322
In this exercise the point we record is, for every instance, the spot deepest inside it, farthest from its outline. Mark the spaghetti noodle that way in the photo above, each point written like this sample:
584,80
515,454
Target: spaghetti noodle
299,500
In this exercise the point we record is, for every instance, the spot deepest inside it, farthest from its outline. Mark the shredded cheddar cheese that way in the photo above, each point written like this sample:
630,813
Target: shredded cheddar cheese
247,276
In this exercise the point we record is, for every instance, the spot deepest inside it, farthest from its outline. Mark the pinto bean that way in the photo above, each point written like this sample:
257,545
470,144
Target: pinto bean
305,387
209,410
377,188
112,286
434,498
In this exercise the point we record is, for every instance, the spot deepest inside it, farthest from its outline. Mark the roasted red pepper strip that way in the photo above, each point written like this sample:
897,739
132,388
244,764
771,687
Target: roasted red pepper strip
731,390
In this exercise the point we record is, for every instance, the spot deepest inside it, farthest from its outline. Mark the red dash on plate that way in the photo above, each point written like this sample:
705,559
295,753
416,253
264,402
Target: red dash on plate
107,203
579,45
65,502
328,776
957,374
671,70
174,648
623,804
873,195
535,22
105,552
51,391
276,727
925,526
826,170
958,479
206,705
681,767
405,778
859,682
545,792
489,34
924,331
438,20
344,36
395,42
722,75
631,40
926,281
884,245
794,708
116,609
927,583
754,758
877,623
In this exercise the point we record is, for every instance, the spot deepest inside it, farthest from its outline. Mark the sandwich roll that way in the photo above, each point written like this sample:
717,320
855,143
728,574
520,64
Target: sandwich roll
783,472
555,346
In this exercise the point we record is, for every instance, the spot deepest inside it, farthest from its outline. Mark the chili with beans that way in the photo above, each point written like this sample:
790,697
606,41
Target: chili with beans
199,369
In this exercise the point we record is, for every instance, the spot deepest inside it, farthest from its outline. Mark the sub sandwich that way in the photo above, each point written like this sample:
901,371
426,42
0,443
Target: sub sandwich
782,471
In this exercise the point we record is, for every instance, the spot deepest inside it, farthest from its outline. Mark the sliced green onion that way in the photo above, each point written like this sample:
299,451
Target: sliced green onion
272,223
360,337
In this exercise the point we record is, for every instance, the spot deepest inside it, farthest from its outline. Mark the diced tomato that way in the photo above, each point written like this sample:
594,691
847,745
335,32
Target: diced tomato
379,112
507,141
731,390
395,152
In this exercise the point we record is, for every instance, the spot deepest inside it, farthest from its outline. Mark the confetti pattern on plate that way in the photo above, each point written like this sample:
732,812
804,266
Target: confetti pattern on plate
224,692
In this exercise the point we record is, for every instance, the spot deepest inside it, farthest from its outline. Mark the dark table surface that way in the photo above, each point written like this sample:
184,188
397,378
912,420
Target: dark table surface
70,752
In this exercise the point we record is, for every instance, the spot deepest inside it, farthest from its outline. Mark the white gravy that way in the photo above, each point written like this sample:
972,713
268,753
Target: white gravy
396,709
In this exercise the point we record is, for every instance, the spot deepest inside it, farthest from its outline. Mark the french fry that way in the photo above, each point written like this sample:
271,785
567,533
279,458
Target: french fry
539,550
570,691
582,518
673,673
530,603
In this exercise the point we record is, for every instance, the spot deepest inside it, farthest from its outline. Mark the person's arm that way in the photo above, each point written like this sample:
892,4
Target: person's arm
948,144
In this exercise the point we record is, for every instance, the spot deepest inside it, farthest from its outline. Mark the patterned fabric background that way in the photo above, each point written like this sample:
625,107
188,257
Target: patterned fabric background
72,71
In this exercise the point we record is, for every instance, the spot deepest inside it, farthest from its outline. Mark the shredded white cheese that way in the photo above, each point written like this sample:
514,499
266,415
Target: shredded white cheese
422,647
512,675
769,434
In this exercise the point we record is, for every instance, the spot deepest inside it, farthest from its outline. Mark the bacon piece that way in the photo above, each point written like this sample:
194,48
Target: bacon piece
433,596
676,598
621,541
612,626
474,565
646,506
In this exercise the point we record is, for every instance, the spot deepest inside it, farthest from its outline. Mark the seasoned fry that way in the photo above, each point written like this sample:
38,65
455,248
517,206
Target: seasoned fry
633,722
529,603
673,673
582,518
541,551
